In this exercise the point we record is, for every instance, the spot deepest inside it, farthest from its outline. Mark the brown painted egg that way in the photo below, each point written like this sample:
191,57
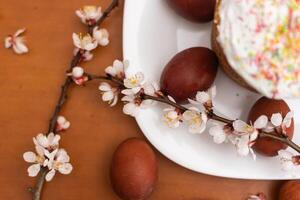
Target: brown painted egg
188,72
290,191
134,170
265,106
194,10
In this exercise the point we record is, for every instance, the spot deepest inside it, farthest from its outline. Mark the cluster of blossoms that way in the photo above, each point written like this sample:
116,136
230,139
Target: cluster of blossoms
16,42
84,44
133,88
137,94
48,154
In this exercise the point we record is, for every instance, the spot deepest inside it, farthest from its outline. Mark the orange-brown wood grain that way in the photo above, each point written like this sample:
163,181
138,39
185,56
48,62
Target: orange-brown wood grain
30,85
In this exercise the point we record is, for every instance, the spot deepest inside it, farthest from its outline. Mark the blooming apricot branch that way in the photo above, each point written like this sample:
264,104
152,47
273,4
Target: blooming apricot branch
138,94
49,158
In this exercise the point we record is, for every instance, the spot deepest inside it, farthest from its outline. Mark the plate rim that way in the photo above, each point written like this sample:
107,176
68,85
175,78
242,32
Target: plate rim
126,55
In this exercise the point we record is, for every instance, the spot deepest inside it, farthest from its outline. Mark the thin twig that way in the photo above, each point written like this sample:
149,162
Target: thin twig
63,94
284,140
37,190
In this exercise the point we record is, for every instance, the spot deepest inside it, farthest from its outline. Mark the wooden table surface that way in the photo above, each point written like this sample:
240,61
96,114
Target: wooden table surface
30,85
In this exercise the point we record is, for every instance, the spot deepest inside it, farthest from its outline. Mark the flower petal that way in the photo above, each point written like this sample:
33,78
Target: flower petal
104,87
77,72
202,97
20,47
139,76
40,150
172,115
108,96
7,42
128,98
240,126
61,120
276,119
103,42
171,99
218,134
76,40
62,156
90,46
261,122
115,101
29,157
128,92
65,168
66,125
50,175
287,121
130,109
118,65
19,32
33,170
41,140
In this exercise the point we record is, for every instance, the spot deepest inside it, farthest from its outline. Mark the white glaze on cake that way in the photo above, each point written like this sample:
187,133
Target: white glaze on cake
261,41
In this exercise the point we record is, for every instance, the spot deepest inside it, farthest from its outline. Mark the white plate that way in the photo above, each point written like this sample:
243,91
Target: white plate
153,34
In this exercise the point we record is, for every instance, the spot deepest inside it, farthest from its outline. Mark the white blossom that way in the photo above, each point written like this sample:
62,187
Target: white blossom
49,142
77,72
131,108
133,102
218,133
89,14
101,36
58,161
132,97
196,120
276,119
244,145
172,118
241,128
117,69
109,93
85,55
16,42
205,98
84,42
246,136
135,81
78,75
48,155
151,89
62,123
